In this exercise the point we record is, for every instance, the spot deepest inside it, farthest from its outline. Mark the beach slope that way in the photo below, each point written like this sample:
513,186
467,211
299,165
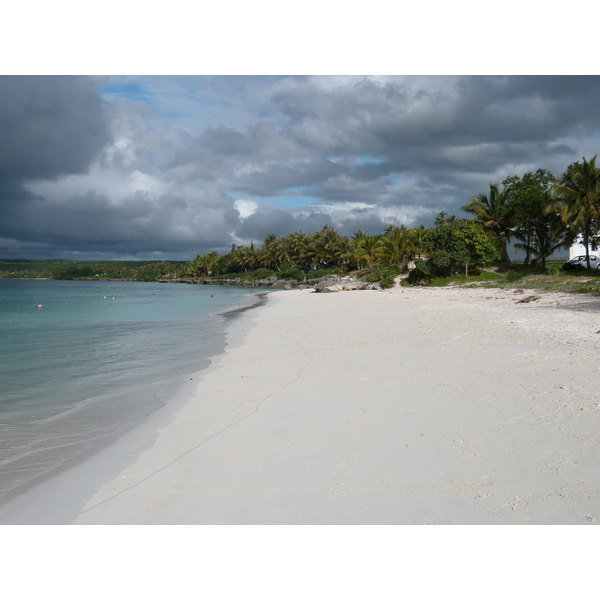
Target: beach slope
409,406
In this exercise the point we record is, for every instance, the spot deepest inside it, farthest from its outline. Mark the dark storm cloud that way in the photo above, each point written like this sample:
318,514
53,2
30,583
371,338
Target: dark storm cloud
364,220
222,140
160,170
138,225
312,222
387,117
437,128
406,122
50,126
263,222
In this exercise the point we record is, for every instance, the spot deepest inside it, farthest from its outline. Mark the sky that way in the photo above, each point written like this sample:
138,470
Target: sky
152,167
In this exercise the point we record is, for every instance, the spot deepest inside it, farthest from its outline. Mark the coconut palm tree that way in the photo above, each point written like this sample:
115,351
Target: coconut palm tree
577,199
246,257
396,245
268,255
494,213
327,245
543,241
203,264
285,249
368,248
416,239
353,252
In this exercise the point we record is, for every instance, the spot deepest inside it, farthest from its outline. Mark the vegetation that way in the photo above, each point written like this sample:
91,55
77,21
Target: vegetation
577,200
97,270
326,252
540,232
453,245
544,212
496,214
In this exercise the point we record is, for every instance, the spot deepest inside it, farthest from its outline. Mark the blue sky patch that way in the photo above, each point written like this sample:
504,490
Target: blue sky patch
294,202
375,160
126,88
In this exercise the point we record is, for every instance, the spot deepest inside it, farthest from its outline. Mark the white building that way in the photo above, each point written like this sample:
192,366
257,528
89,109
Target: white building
579,249
564,254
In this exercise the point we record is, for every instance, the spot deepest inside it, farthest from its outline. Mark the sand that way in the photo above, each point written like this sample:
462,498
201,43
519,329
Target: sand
403,406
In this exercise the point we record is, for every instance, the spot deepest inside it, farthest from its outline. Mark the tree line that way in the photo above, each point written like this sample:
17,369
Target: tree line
87,269
541,211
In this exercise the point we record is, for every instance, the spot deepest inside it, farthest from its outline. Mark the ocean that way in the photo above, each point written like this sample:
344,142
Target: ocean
80,360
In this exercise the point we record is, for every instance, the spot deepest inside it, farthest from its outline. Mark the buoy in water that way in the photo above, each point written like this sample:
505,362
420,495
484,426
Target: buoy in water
39,306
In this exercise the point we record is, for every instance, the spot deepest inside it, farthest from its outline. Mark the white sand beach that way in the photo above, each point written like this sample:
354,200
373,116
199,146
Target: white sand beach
403,406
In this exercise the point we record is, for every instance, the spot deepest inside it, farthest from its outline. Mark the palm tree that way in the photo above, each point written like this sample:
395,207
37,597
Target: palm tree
577,200
493,212
246,257
203,264
416,239
311,254
354,252
396,245
328,245
268,255
543,241
285,249
368,248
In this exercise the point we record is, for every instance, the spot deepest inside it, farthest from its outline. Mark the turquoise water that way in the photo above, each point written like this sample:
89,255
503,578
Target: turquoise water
92,359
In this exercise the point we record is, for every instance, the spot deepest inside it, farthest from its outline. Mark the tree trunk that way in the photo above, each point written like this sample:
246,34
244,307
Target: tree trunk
506,257
586,241
527,254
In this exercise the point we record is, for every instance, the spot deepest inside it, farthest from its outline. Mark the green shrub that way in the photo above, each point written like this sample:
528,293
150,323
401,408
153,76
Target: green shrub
225,276
340,270
420,274
319,273
373,275
148,275
554,269
291,273
385,276
387,282
263,273
513,275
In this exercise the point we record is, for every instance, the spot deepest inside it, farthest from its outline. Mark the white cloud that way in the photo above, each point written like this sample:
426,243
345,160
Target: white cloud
117,185
342,211
245,208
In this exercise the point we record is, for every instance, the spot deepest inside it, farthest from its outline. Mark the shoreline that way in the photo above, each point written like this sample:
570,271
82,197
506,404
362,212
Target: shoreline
421,406
54,497
403,406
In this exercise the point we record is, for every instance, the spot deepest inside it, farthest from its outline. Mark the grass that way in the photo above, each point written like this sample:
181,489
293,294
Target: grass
529,277
483,277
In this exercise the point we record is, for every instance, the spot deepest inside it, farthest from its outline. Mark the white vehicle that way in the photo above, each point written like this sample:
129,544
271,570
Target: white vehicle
579,262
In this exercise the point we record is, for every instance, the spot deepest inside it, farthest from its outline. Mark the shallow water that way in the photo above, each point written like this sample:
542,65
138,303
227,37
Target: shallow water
92,359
